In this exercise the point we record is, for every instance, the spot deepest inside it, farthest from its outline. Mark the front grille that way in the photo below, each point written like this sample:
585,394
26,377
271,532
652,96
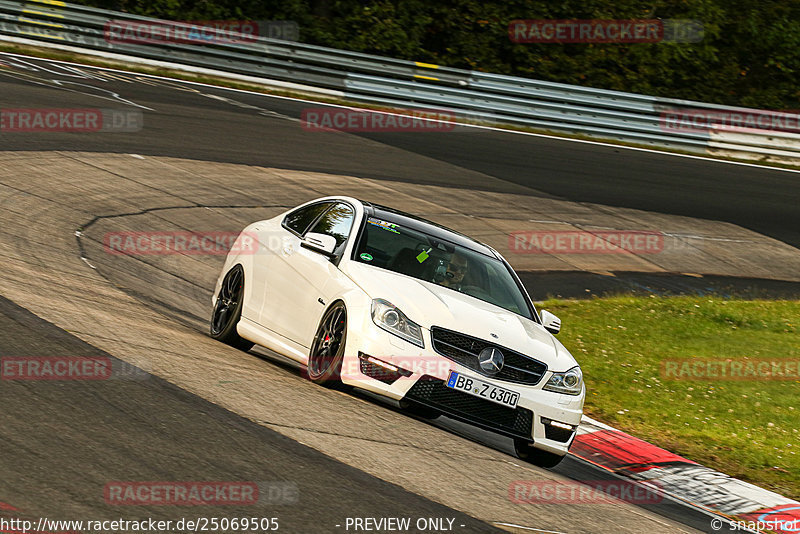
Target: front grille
430,391
464,349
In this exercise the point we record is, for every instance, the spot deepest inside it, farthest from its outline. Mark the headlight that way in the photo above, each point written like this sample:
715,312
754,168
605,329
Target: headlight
388,317
570,382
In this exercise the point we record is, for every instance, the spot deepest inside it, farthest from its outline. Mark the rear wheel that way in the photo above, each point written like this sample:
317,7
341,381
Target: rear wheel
327,350
527,452
228,310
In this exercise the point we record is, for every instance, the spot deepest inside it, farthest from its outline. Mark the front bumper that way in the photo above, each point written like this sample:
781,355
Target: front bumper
546,418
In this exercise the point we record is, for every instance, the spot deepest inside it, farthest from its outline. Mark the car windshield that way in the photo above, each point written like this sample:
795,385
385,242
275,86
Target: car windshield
413,253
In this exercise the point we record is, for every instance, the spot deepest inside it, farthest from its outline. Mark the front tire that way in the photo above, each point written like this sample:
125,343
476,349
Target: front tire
327,349
527,452
228,310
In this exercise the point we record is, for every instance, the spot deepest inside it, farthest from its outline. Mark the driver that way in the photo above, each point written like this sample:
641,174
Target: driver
456,270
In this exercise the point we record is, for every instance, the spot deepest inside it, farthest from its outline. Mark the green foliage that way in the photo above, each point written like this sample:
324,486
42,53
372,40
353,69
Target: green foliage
748,55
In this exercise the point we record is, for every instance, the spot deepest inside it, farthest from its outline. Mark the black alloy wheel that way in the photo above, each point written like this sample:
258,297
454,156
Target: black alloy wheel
327,350
228,310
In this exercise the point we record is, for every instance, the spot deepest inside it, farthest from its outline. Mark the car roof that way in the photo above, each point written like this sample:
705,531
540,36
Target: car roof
425,226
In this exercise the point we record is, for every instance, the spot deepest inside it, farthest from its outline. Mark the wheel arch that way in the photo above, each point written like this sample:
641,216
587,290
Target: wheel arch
238,256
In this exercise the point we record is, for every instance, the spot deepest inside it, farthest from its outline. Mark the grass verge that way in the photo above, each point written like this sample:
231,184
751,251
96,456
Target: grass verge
746,428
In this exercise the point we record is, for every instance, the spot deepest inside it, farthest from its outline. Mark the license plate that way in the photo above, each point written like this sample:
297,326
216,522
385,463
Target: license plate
484,390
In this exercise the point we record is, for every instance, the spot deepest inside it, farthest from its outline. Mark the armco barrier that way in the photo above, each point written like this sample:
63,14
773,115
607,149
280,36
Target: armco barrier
484,97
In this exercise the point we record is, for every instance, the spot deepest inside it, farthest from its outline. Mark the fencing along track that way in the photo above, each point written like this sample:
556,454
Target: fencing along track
479,96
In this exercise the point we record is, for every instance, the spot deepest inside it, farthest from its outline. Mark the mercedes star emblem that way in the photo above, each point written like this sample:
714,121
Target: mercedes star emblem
491,360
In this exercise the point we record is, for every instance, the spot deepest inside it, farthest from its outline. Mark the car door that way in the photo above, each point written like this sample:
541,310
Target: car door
303,273
270,269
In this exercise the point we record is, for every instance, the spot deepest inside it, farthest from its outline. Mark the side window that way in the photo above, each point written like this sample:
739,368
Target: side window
336,222
299,220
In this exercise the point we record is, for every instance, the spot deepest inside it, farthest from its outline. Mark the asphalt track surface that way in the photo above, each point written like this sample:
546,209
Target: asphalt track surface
205,124
138,427
146,429
155,424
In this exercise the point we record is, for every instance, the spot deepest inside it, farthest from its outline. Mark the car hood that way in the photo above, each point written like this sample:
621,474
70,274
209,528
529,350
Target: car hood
429,304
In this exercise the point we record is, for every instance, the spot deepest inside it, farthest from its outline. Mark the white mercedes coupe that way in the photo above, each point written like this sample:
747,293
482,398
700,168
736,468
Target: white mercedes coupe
367,296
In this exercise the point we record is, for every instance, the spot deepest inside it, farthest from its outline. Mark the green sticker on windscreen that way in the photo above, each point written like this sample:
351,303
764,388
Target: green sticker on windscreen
366,257
422,256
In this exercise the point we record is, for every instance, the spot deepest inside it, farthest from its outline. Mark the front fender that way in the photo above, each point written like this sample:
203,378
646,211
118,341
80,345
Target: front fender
244,253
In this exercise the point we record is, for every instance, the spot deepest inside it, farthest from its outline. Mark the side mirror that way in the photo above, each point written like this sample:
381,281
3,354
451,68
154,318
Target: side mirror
550,322
321,243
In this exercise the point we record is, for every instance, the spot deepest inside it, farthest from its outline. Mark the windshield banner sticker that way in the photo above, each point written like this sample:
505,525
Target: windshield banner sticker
383,224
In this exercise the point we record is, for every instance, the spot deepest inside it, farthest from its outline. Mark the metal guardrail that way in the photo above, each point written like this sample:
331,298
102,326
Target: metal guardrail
483,97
